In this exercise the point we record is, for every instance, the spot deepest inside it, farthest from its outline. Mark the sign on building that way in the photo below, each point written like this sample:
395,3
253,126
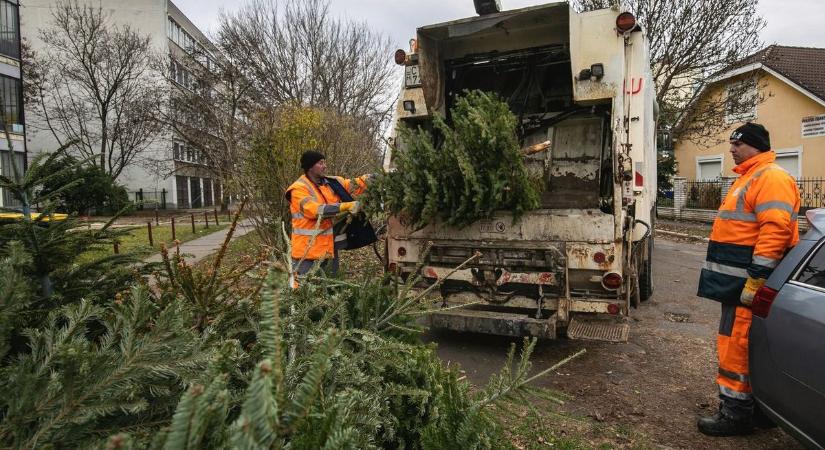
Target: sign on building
813,126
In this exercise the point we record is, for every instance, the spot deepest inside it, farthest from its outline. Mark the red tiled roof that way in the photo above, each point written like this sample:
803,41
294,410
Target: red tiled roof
804,66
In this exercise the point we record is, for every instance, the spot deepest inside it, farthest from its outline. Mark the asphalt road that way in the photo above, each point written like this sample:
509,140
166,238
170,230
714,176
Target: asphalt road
653,387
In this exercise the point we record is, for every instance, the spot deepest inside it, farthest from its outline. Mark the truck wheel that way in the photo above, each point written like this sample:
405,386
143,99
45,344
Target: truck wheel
646,273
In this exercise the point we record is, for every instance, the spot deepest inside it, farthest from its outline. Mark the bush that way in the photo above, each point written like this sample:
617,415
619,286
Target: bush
272,163
96,193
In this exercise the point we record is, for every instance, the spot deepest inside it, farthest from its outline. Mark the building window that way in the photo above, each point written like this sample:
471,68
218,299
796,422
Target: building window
182,186
790,160
9,29
11,91
181,75
207,192
8,158
179,36
708,167
740,103
177,150
195,188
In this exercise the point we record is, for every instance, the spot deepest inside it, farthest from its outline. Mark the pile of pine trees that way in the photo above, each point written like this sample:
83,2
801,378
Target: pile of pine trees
91,357
465,170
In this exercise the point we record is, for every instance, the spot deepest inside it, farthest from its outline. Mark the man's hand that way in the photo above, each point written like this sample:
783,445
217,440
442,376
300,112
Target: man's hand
751,286
351,207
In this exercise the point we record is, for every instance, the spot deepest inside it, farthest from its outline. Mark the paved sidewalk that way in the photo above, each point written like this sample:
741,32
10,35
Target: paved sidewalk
200,248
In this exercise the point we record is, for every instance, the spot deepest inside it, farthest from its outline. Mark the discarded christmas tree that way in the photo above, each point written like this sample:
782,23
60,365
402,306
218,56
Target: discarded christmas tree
470,167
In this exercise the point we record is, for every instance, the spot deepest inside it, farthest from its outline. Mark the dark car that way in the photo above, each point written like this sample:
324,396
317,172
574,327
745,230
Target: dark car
787,340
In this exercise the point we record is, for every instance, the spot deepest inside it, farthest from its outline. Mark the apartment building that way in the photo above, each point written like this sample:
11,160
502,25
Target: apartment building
178,175
13,142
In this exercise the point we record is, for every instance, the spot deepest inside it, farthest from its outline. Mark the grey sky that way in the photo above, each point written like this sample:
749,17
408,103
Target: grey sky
790,22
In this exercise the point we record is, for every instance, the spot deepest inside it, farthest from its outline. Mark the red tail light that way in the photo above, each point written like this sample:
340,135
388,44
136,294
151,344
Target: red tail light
625,22
612,281
762,301
400,57
599,258
613,308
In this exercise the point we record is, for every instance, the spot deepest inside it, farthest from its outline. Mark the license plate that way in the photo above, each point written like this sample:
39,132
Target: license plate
411,76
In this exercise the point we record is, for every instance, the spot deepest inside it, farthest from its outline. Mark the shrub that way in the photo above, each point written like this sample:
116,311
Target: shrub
96,192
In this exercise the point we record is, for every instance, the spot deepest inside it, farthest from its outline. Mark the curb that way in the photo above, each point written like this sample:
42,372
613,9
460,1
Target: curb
683,235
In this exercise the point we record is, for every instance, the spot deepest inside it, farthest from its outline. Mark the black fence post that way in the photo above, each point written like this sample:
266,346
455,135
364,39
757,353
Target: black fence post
163,198
140,197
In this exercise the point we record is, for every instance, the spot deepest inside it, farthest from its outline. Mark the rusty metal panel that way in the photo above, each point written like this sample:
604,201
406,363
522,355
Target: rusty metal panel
493,322
540,226
580,256
593,40
504,276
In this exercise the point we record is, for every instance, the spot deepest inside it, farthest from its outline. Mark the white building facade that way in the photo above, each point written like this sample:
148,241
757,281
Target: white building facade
13,142
174,175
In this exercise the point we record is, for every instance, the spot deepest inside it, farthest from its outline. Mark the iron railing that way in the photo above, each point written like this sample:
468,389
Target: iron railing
707,194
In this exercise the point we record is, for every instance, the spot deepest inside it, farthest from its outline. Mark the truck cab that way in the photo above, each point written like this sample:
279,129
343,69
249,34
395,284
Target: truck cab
580,85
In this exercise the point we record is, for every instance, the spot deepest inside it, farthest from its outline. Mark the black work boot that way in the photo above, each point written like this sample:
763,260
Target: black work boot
722,425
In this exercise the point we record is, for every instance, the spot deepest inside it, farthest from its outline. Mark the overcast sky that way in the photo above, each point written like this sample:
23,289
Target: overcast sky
790,22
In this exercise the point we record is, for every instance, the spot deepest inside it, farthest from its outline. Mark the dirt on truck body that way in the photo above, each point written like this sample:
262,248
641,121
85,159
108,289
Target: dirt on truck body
581,87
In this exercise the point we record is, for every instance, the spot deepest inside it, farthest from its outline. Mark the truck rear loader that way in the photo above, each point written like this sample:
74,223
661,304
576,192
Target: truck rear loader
580,85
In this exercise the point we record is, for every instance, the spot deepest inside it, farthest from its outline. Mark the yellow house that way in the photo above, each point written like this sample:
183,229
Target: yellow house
782,88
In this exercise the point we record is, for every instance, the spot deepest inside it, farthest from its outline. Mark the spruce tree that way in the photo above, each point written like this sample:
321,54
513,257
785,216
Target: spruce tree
468,168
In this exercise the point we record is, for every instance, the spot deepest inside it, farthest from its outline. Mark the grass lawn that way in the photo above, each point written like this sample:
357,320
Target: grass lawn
138,238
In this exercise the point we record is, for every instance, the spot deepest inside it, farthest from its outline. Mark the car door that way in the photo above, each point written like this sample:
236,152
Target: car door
795,330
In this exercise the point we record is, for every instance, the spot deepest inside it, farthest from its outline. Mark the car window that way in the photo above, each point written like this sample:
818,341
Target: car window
814,271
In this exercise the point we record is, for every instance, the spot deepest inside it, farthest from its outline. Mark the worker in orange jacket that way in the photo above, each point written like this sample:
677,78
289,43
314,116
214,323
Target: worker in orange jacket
755,227
314,206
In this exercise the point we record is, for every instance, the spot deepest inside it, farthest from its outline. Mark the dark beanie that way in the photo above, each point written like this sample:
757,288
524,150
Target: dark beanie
754,135
310,158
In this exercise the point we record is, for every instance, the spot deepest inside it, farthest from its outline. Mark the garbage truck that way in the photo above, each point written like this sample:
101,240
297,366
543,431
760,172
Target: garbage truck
581,87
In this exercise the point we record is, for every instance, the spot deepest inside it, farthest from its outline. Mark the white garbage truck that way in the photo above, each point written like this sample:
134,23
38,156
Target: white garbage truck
581,87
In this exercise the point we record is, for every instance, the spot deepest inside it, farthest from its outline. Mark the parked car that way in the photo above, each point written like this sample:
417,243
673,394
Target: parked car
787,340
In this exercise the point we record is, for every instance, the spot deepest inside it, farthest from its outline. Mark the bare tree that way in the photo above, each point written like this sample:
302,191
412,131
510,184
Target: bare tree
294,52
208,105
96,86
690,41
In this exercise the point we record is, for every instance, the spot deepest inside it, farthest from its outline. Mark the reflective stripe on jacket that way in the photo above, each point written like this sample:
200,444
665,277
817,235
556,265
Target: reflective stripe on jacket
312,207
755,226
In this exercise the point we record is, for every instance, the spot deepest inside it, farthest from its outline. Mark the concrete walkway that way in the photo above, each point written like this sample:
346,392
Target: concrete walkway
200,248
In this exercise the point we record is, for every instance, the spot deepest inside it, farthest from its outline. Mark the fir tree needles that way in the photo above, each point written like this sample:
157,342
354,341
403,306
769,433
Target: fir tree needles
476,168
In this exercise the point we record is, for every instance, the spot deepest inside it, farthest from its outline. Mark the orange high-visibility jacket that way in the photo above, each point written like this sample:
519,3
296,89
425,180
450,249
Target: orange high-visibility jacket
313,206
755,226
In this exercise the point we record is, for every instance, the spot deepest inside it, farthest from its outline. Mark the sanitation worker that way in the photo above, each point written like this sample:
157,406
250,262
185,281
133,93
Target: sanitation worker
755,227
314,204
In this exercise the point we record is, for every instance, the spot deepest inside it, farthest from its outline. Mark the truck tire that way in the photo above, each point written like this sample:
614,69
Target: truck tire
646,272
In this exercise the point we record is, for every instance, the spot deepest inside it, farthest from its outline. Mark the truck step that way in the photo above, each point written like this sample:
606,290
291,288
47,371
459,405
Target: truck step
598,329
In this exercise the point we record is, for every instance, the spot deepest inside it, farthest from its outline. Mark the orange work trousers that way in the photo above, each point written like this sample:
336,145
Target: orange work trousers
733,377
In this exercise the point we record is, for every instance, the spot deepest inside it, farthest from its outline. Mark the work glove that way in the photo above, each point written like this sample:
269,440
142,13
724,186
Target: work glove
751,286
351,207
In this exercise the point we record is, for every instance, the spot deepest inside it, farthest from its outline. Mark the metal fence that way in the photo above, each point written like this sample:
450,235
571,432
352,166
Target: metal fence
704,194
812,192
149,199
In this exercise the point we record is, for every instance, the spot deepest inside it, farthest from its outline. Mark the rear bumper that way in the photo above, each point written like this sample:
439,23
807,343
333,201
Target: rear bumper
493,322
519,322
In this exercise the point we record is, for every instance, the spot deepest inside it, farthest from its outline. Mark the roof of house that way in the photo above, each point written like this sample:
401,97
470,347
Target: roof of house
804,66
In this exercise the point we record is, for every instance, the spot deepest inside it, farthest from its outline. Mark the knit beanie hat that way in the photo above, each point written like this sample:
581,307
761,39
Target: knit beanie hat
754,135
310,158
